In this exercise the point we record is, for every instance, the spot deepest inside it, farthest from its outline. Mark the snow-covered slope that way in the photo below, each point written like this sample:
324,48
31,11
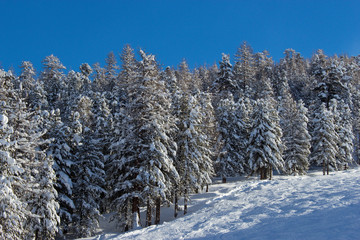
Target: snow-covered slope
288,207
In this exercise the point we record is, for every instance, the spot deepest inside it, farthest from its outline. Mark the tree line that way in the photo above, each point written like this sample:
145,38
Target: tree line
116,138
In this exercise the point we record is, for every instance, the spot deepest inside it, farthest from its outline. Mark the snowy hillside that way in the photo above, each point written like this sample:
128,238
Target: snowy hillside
288,207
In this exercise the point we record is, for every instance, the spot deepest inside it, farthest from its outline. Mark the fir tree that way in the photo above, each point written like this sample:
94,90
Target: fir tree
60,151
231,160
265,145
53,79
12,209
225,83
324,140
145,168
89,183
296,138
343,127
244,69
193,160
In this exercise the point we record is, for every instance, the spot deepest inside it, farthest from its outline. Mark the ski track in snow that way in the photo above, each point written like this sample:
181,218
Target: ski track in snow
288,207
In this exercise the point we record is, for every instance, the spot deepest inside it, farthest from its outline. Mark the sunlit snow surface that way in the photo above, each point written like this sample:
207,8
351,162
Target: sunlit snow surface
288,207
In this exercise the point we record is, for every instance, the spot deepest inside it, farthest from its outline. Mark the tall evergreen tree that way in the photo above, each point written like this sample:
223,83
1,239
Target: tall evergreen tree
325,140
89,183
296,138
265,145
53,80
244,69
343,127
193,159
146,167
231,160
12,214
225,83
13,211
60,150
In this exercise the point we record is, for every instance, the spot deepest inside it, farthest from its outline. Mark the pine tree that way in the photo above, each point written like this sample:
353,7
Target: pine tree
145,170
244,69
12,213
129,66
325,140
343,127
32,90
346,135
225,83
263,66
265,145
89,183
183,75
53,79
39,175
296,74
60,150
34,184
111,73
231,160
296,138
99,78
193,160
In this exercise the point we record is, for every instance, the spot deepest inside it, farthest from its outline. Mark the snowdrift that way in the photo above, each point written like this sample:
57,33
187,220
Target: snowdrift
288,207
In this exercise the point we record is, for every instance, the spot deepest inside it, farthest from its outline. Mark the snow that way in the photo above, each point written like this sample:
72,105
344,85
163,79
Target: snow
288,207
3,120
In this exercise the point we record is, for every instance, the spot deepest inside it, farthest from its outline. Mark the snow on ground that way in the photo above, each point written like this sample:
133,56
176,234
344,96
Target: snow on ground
288,207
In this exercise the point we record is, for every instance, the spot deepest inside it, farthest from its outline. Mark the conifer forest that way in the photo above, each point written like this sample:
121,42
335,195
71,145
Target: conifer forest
134,135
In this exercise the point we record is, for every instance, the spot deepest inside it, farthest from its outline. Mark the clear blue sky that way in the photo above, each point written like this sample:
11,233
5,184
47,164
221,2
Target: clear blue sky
81,31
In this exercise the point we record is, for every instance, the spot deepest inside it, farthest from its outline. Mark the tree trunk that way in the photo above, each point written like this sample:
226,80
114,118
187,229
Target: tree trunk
207,187
327,168
263,173
136,210
270,172
128,219
148,212
157,215
175,204
324,167
185,201
223,179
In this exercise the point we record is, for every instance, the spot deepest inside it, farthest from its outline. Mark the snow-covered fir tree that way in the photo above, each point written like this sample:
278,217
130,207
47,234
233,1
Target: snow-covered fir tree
99,78
35,182
12,209
232,137
183,75
324,147
32,90
296,138
38,186
111,71
119,183
60,151
193,160
225,83
346,136
265,145
53,79
343,127
147,152
89,182
244,69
